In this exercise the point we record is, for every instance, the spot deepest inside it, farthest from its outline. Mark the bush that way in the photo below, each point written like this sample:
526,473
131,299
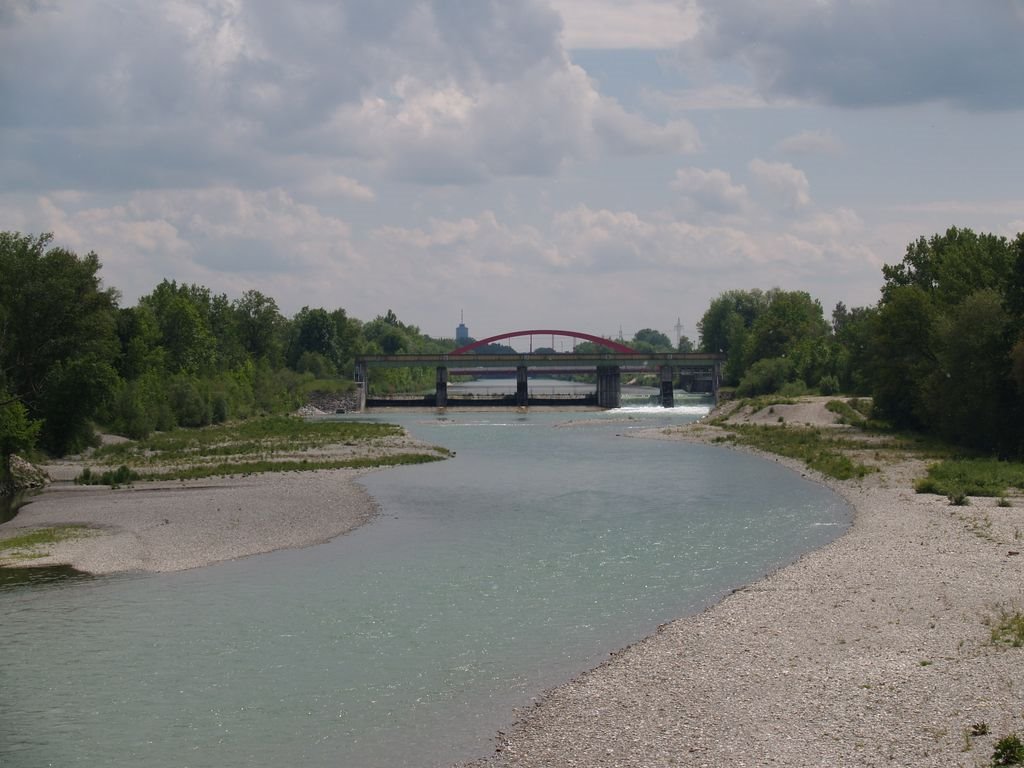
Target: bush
828,385
315,363
1009,751
112,477
765,377
189,404
793,388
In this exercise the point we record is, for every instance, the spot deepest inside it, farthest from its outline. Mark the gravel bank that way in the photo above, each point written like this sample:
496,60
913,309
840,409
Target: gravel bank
871,651
172,525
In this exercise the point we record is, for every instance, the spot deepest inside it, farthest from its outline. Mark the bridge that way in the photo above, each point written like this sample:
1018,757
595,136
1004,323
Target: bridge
609,361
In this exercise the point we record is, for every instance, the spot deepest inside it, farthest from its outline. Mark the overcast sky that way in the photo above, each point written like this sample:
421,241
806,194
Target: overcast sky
581,164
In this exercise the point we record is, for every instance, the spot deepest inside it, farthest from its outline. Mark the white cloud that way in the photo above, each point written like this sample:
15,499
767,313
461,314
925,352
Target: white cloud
636,24
336,185
810,143
712,96
782,183
711,190
223,91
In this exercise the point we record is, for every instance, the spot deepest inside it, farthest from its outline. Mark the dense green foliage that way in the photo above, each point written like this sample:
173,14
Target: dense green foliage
942,352
57,340
183,356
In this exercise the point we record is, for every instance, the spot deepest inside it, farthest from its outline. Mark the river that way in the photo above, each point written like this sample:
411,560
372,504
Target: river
551,539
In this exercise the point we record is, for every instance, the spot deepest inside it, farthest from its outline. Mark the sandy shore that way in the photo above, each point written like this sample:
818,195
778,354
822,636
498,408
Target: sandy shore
872,651
171,526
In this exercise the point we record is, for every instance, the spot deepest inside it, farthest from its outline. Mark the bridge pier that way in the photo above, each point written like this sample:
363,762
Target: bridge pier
667,398
522,390
361,372
609,386
441,387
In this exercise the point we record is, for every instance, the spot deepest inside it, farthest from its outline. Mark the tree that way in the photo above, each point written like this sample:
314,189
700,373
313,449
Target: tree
650,340
257,320
182,314
725,325
57,333
852,331
18,433
952,266
729,313
902,355
966,392
313,330
790,318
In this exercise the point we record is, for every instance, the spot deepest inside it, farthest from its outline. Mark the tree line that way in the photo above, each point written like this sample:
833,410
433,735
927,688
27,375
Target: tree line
942,351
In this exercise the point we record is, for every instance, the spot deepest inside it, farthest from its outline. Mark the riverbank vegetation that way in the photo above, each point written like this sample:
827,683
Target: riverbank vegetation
941,353
263,444
30,545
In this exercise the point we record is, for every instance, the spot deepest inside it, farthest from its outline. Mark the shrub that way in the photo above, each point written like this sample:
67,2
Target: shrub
765,377
828,384
1009,751
112,477
793,388
189,404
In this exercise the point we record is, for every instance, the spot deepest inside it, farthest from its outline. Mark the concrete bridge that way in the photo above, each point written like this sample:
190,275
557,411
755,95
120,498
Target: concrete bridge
608,363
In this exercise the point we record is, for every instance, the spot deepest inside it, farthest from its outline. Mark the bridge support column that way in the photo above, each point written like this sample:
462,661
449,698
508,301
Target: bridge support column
361,374
441,388
522,390
716,376
667,395
609,387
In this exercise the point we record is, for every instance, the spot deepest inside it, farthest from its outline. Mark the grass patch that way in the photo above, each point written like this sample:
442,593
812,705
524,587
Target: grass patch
26,546
1007,628
972,477
253,437
847,413
821,453
201,471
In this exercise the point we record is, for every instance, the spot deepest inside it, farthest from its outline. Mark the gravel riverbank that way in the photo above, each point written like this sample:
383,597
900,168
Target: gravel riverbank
875,650
173,525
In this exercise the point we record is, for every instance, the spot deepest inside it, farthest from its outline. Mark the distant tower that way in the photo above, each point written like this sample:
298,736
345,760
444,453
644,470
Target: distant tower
461,332
679,330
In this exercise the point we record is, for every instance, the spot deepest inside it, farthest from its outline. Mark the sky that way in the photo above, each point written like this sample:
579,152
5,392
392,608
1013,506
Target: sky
592,165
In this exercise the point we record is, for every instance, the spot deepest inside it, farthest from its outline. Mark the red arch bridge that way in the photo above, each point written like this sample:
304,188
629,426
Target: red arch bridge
608,360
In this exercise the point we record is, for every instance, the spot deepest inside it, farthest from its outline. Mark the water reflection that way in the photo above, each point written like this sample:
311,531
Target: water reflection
11,578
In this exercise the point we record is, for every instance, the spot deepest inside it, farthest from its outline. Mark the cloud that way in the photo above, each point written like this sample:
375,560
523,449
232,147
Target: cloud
870,53
227,238
633,24
178,92
810,143
336,185
712,96
782,183
711,190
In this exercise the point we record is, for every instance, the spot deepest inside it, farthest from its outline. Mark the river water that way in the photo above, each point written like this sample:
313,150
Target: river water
550,540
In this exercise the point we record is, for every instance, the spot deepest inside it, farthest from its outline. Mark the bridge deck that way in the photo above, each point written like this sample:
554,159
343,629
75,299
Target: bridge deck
545,360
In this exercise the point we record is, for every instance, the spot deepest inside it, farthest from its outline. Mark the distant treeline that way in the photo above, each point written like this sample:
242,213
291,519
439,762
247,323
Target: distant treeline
942,350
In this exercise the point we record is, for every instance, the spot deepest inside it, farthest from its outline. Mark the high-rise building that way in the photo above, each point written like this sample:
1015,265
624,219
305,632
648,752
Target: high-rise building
461,332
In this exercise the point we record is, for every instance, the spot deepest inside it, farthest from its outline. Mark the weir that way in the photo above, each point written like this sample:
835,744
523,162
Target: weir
692,371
